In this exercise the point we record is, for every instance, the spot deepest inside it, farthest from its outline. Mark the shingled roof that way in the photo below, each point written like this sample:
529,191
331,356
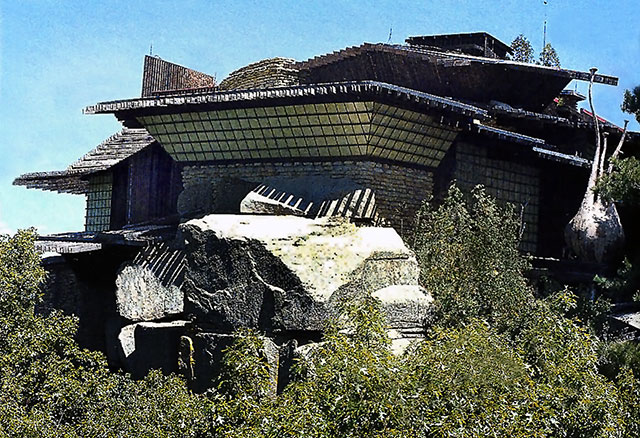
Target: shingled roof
204,97
110,152
446,58
462,76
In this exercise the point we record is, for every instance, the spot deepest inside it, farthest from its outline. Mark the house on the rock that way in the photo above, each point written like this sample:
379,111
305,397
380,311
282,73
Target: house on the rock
365,132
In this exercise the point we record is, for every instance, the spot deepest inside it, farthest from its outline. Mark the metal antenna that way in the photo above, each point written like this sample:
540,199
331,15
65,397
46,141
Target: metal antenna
390,33
151,49
544,32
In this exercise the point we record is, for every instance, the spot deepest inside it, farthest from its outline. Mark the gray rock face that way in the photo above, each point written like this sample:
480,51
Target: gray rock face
141,296
284,273
149,288
406,307
151,345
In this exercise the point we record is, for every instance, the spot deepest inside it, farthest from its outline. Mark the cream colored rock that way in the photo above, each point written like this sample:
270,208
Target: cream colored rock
140,296
285,272
406,307
148,288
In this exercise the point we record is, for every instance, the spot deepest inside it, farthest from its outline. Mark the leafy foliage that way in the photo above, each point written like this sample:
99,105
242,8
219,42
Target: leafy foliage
563,360
623,184
496,361
631,102
522,51
51,387
349,385
618,356
469,259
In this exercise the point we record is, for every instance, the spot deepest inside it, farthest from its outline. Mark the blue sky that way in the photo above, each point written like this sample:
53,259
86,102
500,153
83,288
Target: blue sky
56,57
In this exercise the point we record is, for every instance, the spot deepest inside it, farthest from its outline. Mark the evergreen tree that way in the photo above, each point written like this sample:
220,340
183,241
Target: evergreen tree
522,49
549,57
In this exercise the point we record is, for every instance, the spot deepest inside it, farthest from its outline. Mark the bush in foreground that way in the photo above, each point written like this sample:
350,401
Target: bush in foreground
496,360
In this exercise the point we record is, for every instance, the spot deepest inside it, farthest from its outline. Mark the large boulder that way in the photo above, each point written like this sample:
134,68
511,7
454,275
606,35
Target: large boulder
285,273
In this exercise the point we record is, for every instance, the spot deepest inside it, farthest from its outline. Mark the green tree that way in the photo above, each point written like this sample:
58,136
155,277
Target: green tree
49,387
549,57
562,357
623,183
522,50
631,102
469,259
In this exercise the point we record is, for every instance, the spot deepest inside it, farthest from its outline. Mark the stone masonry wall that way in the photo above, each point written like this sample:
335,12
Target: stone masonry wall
268,73
219,188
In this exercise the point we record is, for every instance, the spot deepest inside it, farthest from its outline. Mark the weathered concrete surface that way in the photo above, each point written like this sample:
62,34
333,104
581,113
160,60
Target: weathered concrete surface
285,273
151,345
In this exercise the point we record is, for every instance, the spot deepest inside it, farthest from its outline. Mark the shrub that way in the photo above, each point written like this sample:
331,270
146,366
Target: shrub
469,259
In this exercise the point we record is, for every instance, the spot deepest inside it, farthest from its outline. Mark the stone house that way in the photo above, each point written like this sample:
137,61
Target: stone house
366,133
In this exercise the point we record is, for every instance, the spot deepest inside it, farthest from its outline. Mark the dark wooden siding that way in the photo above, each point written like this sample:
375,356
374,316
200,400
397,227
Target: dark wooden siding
160,75
561,191
146,187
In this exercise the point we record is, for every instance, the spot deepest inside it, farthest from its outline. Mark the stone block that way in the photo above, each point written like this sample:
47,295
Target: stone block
140,296
149,287
151,345
406,307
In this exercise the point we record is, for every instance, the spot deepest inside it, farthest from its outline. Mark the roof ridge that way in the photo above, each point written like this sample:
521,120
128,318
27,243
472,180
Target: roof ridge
335,56
322,60
289,91
105,143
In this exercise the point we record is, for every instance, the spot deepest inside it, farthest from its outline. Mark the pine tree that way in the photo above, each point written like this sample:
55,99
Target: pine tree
549,57
522,49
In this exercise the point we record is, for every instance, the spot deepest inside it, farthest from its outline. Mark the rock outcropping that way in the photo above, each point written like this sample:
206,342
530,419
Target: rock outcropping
283,276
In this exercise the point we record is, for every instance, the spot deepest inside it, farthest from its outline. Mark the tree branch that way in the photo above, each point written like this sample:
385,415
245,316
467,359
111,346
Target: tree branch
616,152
